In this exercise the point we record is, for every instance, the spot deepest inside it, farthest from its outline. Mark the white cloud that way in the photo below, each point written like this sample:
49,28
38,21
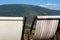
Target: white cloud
51,6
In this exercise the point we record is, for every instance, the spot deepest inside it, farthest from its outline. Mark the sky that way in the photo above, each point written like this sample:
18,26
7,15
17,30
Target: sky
51,4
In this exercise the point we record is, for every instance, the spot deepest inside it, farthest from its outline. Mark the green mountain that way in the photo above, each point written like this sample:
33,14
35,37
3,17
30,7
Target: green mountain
25,10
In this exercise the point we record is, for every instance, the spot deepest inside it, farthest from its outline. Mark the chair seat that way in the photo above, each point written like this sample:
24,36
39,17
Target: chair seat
11,28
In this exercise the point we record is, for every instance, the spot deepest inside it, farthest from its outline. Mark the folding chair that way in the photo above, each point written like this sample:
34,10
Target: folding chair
46,27
12,28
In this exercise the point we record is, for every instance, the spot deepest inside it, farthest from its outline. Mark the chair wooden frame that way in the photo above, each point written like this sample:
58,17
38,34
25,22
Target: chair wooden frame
36,18
24,22
23,27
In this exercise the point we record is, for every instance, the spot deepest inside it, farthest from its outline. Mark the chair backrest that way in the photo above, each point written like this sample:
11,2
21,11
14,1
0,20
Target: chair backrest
46,26
12,28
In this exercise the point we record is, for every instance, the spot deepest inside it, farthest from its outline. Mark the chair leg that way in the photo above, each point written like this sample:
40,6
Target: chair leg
56,35
52,38
28,35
